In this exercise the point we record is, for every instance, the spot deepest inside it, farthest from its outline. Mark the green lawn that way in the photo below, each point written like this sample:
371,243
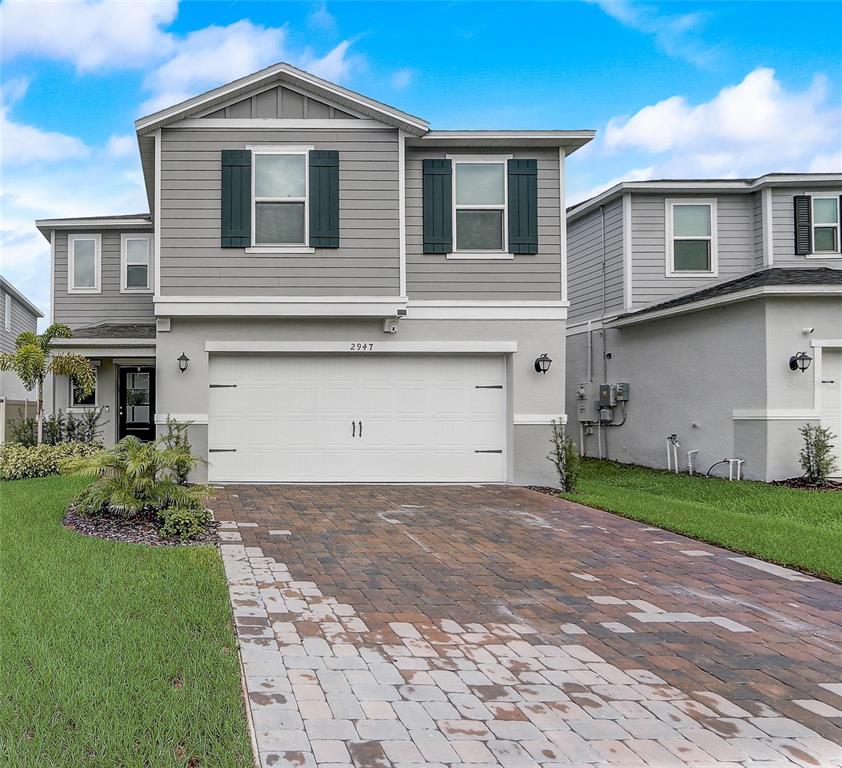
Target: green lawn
111,654
801,529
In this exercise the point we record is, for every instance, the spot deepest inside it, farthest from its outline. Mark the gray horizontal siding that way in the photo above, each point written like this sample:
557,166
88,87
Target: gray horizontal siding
536,276
584,263
279,102
22,320
78,309
366,263
783,230
735,237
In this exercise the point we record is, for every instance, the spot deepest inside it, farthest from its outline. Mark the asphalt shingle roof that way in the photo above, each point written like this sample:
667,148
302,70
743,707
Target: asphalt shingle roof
116,331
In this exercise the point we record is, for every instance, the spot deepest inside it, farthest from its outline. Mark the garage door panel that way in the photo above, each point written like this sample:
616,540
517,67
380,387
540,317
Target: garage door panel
423,418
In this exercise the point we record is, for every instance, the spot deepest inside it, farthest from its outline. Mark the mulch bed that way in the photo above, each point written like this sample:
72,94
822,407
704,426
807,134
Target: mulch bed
133,531
802,484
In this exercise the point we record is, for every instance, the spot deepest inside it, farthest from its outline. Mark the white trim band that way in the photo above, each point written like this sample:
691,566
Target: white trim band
539,418
196,418
362,347
279,306
780,414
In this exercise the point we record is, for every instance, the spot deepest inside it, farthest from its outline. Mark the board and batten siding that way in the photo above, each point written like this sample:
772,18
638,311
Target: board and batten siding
109,306
584,263
524,277
783,229
192,261
22,320
735,243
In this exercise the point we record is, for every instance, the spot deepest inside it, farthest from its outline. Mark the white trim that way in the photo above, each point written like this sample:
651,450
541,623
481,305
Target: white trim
774,414
279,306
150,262
279,250
642,315
196,418
469,255
669,266
768,223
402,213
275,123
467,310
82,407
506,139
818,346
825,343
71,262
837,254
562,220
628,284
539,418
157,214
112,222
492,159
375,347
52,276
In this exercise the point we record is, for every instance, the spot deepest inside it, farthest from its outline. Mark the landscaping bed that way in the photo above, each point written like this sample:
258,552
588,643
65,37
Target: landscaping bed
795,527
135,530
112,654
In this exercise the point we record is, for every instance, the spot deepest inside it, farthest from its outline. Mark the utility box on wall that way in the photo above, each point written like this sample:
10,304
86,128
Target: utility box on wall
586,401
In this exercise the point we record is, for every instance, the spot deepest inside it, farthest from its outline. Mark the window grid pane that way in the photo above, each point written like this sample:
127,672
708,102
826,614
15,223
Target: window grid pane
825,239
279,176
691,220
480,184
479,230
137,251
279,223
84,263
137,276
825,210
691,255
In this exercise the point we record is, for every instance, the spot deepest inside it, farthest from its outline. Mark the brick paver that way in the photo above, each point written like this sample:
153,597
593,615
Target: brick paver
493,625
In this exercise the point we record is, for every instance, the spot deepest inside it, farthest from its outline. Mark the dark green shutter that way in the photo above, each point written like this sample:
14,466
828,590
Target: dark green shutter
803,228
438,206
523,206
236,198
324,198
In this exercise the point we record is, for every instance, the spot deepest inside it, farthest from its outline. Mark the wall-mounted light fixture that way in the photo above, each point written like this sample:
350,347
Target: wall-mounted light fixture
543,363
183,362
800,362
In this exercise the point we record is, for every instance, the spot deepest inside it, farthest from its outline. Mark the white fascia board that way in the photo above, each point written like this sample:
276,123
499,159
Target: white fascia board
643,316
491,310
362,347
572,140
277,306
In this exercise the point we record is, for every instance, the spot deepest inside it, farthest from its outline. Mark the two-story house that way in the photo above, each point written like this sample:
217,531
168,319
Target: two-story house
706,322
19,315
328,289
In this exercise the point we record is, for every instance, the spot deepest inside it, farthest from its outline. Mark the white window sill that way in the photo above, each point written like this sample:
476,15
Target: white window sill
84,290
480,256
136,290
825,255
279,250
81,408
689,273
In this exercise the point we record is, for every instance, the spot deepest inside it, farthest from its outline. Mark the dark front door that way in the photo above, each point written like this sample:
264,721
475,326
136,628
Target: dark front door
137,402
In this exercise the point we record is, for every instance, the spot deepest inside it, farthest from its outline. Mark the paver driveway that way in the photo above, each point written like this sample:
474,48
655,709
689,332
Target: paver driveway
387,625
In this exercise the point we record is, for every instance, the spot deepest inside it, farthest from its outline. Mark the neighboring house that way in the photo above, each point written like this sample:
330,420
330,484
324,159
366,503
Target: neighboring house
696,296
19,315
328,289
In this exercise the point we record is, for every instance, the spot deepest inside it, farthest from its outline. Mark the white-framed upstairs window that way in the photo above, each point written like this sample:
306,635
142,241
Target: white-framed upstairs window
691,247
7,312
280,207
136,263
480,200
826,225
78,400
84,263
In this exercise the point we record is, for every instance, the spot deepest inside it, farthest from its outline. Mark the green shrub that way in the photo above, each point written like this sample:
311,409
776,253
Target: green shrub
18,462
565,458
24,431
183,522
817,458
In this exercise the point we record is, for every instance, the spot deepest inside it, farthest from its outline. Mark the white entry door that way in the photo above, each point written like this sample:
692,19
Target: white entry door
830,399
367,418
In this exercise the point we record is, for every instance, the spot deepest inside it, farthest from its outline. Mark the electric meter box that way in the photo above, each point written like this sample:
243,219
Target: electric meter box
586,393
622,391
607,396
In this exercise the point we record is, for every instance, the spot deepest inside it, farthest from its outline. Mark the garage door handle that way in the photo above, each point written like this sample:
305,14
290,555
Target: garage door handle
222,450
497,450
361,428
488,386
353,428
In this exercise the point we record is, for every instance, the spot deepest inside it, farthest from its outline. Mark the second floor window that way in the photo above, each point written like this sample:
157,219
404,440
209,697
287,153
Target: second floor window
280,198
84,253
691,237
136,257
480,206
825,225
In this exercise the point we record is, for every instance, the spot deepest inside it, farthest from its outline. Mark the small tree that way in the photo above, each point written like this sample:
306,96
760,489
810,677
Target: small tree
33,360
817,457
564,457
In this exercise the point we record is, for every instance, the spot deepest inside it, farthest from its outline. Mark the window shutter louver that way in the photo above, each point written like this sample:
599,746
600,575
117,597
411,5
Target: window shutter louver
324,198
236,198
523,206
803,221
438,206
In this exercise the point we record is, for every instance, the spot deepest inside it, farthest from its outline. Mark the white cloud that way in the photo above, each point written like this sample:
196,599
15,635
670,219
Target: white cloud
21,143
677,35
402,78
216,55
635,174
746,129
90,34
122,146
322,19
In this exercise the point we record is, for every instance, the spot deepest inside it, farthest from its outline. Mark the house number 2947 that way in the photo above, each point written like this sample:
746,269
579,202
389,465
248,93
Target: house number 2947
362,346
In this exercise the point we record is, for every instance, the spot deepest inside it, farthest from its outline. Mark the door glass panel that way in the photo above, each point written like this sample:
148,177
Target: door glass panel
137,398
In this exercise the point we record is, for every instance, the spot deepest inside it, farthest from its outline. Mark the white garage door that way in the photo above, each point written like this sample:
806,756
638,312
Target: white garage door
831,400
339,418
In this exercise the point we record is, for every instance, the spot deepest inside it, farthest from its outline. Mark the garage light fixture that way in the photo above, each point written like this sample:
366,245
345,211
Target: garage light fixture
543,363
183,362
800,362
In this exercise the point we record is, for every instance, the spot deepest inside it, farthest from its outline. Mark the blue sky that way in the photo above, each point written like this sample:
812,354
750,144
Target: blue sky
675,89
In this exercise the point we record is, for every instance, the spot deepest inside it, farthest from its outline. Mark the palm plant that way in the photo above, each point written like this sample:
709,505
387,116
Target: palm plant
33,360
136,477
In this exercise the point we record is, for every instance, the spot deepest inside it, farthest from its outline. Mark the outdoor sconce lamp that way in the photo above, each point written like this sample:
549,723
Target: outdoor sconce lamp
800,362
543,363
183,362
